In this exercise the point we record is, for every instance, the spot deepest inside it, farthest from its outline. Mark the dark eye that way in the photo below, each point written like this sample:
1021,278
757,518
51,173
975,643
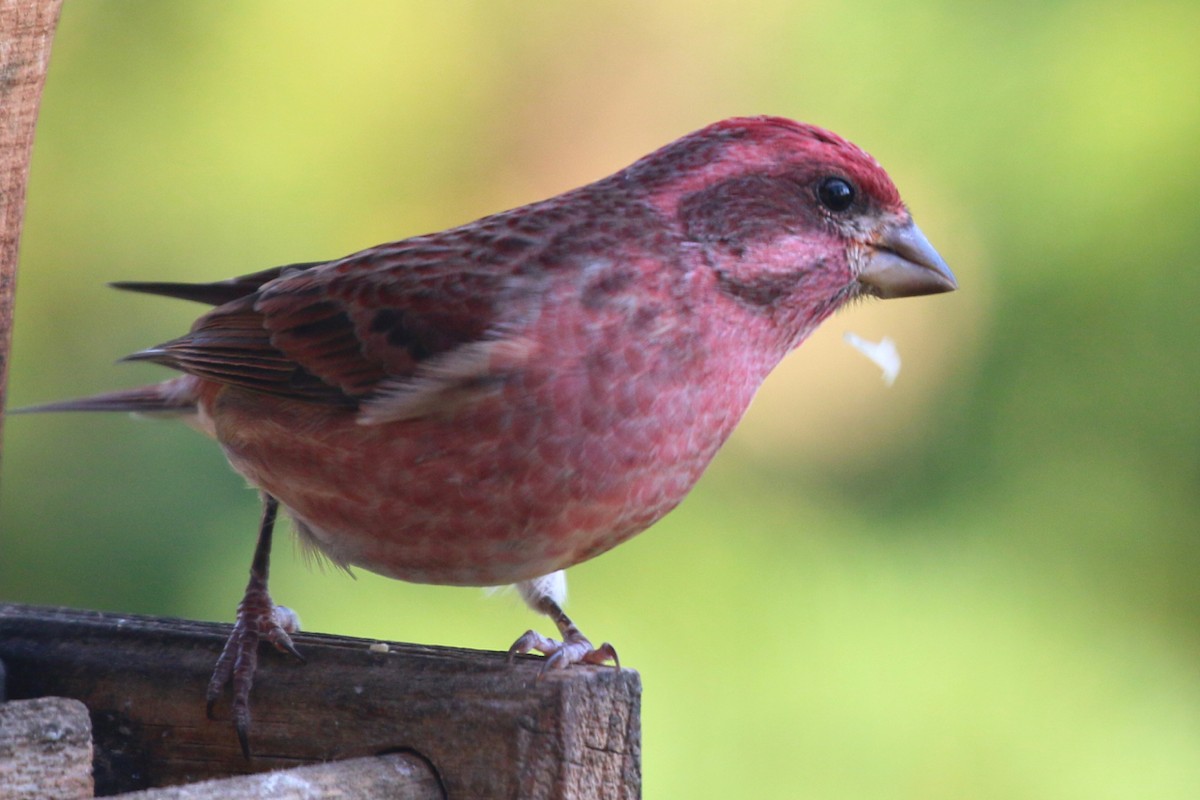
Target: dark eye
836,194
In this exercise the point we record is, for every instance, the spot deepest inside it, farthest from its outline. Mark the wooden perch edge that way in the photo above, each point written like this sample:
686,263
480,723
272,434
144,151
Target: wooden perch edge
487,728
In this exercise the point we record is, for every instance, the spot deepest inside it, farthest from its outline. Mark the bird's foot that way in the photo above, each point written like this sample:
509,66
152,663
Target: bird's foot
257,618
573,649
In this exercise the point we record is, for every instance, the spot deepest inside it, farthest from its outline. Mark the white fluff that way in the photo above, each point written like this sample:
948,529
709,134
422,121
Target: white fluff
553,586
883,353
286,618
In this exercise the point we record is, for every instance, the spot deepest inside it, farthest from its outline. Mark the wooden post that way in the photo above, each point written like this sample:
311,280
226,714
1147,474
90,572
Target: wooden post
487,728
26,30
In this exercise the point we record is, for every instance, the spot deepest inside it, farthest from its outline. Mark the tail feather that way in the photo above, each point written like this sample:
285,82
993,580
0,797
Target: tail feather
168,397
214,294
176,396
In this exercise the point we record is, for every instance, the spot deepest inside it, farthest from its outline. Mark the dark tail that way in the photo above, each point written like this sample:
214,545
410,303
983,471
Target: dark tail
175,396
169,397
214,294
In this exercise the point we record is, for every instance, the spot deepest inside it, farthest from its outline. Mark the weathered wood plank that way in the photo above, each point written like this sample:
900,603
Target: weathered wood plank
45,750
489,729
396,776
26,32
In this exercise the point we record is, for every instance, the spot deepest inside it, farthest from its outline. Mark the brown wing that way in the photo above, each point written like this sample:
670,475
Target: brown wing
396,325
230,345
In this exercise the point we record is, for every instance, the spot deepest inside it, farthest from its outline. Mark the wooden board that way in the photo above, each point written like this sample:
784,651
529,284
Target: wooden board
488,728
45,750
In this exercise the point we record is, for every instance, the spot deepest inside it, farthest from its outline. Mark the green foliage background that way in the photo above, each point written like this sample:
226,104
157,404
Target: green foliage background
980,583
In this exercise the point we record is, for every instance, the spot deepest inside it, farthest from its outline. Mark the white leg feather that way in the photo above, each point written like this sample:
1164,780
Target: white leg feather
552,586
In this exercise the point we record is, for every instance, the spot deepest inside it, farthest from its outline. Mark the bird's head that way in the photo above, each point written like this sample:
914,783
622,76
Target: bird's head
794,220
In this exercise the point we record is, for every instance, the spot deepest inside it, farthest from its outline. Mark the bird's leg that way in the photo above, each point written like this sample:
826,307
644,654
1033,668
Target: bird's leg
545,595
257,617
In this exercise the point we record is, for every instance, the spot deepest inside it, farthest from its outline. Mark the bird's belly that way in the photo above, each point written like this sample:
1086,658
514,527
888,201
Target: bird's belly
488,496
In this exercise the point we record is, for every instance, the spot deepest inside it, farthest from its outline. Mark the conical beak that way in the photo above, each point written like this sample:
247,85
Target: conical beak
902,263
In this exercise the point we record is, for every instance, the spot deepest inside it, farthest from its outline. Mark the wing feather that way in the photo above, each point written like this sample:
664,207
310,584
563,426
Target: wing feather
398,330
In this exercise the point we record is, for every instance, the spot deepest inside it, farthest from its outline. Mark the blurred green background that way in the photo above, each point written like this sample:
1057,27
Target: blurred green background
979,583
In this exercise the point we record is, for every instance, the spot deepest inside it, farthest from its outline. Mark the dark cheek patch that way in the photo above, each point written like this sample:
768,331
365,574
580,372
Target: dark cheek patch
742,211
745,218
760,291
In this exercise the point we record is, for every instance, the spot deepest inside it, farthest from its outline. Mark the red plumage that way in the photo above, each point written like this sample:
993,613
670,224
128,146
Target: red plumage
495,402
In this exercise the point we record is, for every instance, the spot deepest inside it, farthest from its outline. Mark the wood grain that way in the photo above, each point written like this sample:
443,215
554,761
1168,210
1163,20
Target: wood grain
395,776
489,729
45,750
26,31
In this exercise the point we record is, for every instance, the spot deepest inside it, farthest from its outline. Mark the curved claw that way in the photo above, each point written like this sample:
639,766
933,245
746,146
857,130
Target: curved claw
284,621
258,618
602,654
284,645
574,649
242,728
529,641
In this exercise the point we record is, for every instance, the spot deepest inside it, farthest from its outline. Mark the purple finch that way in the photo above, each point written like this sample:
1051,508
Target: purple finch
493,403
